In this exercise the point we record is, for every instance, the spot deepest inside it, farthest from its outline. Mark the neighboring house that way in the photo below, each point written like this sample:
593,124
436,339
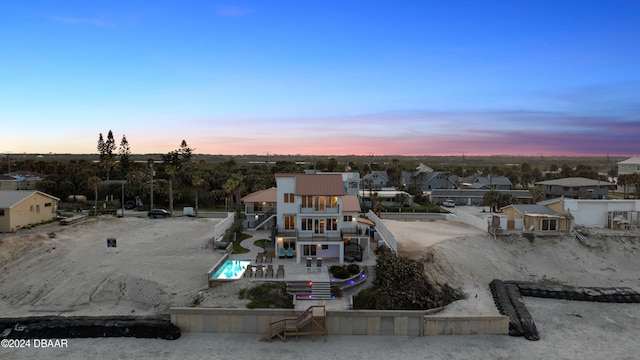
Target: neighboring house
611,214
260,208
576,188
474,197
541,217
20,208
629,166
387,197
20,180
490,182
423,168
375,180
315,216
427,181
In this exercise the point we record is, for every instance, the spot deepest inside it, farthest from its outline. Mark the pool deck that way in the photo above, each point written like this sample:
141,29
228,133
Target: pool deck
297,272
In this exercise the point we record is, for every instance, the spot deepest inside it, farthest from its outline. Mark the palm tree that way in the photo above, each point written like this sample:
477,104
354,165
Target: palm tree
197,181
95,182
232,188
171,173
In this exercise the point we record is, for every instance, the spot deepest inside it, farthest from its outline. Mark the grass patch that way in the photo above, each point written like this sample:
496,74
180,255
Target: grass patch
237,248
269,295
260,243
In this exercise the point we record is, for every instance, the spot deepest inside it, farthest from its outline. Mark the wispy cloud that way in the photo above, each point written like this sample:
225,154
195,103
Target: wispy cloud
232,11
97,22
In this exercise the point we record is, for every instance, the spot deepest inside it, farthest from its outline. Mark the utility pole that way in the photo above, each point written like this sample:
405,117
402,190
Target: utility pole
152,173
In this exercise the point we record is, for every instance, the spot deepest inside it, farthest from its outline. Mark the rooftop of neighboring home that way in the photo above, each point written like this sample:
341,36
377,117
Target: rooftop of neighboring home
268,195
10,198
575,182
632,160
532,209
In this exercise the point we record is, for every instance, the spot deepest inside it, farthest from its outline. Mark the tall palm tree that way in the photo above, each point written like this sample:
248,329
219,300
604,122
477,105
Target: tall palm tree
171,173
95,182
232,188
197,181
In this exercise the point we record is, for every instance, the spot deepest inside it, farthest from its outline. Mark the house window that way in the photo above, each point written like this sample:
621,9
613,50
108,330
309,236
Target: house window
47,204
318,227
37,208
289,222
332,224
1,212
347,218
31,208
307,224
549,225
288,198
307,201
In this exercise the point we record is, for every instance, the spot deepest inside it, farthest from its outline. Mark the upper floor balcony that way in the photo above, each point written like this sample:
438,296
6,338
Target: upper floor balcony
320,210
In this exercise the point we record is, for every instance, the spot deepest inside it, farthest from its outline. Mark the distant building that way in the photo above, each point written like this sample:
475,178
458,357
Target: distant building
19,180
629,166
576,188
474,197
427,181
19,208
375,180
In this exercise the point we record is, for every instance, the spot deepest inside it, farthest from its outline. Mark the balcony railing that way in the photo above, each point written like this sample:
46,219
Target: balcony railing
323,210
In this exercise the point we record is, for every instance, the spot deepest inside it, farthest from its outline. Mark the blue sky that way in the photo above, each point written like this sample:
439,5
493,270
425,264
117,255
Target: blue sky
322,77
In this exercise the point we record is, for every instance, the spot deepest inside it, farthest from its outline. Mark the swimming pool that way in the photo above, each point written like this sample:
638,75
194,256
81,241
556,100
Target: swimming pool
231,270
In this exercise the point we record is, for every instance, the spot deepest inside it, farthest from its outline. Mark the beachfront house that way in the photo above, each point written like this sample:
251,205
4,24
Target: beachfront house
548,216
22,208
315,217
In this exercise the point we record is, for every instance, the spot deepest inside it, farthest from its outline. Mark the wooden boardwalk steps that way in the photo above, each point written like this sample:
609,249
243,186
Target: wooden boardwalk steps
312,321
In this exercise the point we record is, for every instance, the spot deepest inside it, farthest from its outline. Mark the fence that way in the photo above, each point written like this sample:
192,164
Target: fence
464,217
221,227
384,232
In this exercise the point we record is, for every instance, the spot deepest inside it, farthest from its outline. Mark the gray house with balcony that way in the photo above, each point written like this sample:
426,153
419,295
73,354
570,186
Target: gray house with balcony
576,188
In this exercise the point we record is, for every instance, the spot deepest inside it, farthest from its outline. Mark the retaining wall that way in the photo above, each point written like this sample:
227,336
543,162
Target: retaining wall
357,322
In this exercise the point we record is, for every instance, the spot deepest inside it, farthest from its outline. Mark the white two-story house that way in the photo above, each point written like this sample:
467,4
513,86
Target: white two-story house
315,217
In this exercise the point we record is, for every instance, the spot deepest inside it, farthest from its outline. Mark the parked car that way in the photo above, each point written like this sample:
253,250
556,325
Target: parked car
129,205
158,213
449,203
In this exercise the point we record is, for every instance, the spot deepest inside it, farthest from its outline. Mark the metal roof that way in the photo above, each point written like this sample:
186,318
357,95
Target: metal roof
532,209
9,198
319,184
453,193
350,204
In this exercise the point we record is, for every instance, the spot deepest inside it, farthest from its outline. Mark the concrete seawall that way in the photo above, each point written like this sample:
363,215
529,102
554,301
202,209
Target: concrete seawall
356,322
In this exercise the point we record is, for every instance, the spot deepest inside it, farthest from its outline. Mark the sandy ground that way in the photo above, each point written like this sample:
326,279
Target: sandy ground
160,263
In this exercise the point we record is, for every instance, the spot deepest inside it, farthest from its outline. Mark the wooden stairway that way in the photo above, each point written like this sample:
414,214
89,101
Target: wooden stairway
311,322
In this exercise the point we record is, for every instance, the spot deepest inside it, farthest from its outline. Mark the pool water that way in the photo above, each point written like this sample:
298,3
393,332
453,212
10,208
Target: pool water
231,269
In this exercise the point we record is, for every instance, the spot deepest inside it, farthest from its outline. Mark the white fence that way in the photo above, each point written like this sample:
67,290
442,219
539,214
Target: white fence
477,222
384,232
221,227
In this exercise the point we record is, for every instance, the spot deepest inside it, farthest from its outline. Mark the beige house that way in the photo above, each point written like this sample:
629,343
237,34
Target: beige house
20,208
547,216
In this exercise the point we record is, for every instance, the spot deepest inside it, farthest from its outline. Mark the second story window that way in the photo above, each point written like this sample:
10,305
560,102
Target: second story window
288,198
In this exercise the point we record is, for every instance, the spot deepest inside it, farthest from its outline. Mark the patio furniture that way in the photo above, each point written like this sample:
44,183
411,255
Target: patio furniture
248,272
283,253
280,271
259,272
290,252
259,259
319,264
309,264
269,272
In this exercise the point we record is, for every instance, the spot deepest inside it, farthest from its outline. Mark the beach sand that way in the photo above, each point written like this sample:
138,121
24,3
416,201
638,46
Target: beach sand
162,263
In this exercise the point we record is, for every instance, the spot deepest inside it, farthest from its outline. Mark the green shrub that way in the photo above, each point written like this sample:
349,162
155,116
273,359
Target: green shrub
339,272
353,269
269,295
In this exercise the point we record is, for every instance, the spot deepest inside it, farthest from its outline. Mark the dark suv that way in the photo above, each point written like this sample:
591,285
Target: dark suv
158,213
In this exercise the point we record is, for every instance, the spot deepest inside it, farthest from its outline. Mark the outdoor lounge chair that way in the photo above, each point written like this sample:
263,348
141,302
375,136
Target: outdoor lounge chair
308,264
319,264
259,272
280,271
290,252
269,272
248,272
283,253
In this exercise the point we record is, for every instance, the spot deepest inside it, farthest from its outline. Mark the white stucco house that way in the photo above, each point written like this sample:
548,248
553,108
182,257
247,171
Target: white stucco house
316,217
611,214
